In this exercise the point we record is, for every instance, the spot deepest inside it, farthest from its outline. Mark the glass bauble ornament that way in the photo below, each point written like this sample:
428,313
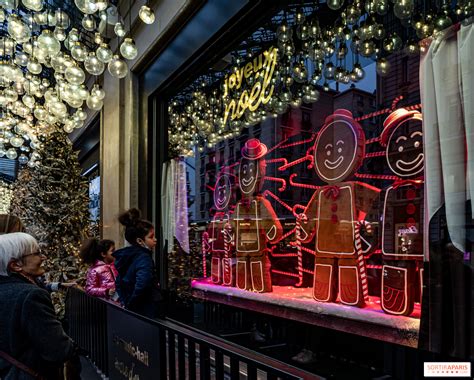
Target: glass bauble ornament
314,28
117,67
49,43
329,71
284,32
22,160
60,34
104,53
16,141
412,48
97,92
352,14
379,32
146,15
73,35
18,30
358,71
75,75
81,114
335,4
93,65
383,67
300,74
113,16
62,19
11,154
302,31
34,67
119,29
367,48
94,103
78,51
29,101
442,22
34,5
88,23
128,49
86,6
403,9
382,7
310,94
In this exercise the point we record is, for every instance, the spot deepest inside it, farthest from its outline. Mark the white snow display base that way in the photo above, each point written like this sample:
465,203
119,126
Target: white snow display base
298,304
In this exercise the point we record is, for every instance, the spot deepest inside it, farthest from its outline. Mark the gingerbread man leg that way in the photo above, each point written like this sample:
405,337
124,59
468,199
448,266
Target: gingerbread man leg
260,274
351,287
216,269
243,273
325,280
398,280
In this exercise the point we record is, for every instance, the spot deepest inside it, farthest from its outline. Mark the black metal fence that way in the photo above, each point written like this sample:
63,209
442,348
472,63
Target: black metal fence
180,352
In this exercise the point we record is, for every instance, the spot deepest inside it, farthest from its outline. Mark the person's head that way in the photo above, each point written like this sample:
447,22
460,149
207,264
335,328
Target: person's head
93,250
138,231
20,253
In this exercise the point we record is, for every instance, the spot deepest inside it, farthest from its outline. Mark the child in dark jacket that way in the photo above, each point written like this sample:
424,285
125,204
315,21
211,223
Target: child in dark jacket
101,274
136,282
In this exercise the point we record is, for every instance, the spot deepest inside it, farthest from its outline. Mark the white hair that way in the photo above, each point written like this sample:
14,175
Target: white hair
13,246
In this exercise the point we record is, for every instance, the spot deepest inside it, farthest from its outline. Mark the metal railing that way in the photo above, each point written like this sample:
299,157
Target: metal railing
183,352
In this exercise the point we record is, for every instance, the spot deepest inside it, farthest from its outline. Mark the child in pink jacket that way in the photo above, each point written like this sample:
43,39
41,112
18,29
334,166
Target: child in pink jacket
102,273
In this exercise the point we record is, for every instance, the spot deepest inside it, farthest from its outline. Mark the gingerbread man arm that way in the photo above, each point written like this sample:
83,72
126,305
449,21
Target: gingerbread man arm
308,219
270,222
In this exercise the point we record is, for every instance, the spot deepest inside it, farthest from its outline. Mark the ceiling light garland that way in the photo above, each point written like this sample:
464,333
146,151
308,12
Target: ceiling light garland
311,55
47,51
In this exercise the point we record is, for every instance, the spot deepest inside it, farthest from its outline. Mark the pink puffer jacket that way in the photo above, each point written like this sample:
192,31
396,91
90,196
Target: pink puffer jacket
100,278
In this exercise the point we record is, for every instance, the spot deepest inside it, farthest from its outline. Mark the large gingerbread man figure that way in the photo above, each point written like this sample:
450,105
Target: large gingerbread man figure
216,232
335,209
255,223
402,224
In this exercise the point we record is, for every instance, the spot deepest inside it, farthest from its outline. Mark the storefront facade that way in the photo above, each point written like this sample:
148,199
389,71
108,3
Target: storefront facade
308,167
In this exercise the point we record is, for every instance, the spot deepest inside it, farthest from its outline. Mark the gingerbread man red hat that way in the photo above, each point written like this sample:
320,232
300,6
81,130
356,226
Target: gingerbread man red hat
254,149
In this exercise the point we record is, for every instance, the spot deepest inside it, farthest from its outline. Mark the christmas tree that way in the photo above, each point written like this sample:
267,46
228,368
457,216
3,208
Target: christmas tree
51,199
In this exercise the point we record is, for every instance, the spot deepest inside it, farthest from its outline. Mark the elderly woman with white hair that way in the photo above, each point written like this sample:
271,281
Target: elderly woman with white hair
33,344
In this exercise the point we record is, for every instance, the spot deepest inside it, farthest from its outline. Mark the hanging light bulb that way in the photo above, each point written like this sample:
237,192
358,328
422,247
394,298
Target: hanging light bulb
104,53
75,75
49,43
86,6
88,22
335,4
94,103
128,49
146,14
62,19
34,5
78,51
383,67
403,9
98,92
117,67
34,67
119,29
60,34
93,65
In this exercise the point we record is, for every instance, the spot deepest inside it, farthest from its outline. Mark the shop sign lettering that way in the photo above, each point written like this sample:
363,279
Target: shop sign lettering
261,68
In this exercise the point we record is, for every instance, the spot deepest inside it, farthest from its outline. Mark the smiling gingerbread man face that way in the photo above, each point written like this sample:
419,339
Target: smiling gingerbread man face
403,138
250,175
339,148
222,192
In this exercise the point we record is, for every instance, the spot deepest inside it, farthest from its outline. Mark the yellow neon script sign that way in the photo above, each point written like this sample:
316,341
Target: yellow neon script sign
262,69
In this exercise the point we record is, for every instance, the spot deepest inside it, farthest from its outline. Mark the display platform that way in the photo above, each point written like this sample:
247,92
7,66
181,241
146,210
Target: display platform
297,304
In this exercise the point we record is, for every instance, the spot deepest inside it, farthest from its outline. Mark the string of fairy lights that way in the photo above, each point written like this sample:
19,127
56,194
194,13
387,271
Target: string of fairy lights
318,43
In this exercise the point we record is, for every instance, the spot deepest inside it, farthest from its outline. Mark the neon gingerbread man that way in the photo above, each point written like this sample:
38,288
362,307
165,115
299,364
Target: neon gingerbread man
254,222
216,231
402,239
335,209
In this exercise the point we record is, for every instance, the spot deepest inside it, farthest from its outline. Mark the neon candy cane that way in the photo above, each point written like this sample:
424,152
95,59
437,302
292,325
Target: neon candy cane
285,273
303,185
298,248
289,145
227,253
360,256
204,245
375,176
281,180
277,146
296,162
375,154
274,160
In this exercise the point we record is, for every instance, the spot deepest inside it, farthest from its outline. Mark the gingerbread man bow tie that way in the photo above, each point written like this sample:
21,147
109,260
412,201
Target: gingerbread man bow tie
332,191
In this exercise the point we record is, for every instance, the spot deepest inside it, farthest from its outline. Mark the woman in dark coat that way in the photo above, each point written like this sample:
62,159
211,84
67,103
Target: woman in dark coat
30,333
136,283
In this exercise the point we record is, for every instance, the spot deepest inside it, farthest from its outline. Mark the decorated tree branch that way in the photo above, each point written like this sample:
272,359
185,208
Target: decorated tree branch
52,201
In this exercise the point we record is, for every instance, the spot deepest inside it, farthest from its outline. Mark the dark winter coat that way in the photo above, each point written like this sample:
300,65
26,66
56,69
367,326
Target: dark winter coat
136,283
29,330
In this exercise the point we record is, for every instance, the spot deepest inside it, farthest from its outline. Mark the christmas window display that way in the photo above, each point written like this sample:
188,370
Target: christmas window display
305,165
